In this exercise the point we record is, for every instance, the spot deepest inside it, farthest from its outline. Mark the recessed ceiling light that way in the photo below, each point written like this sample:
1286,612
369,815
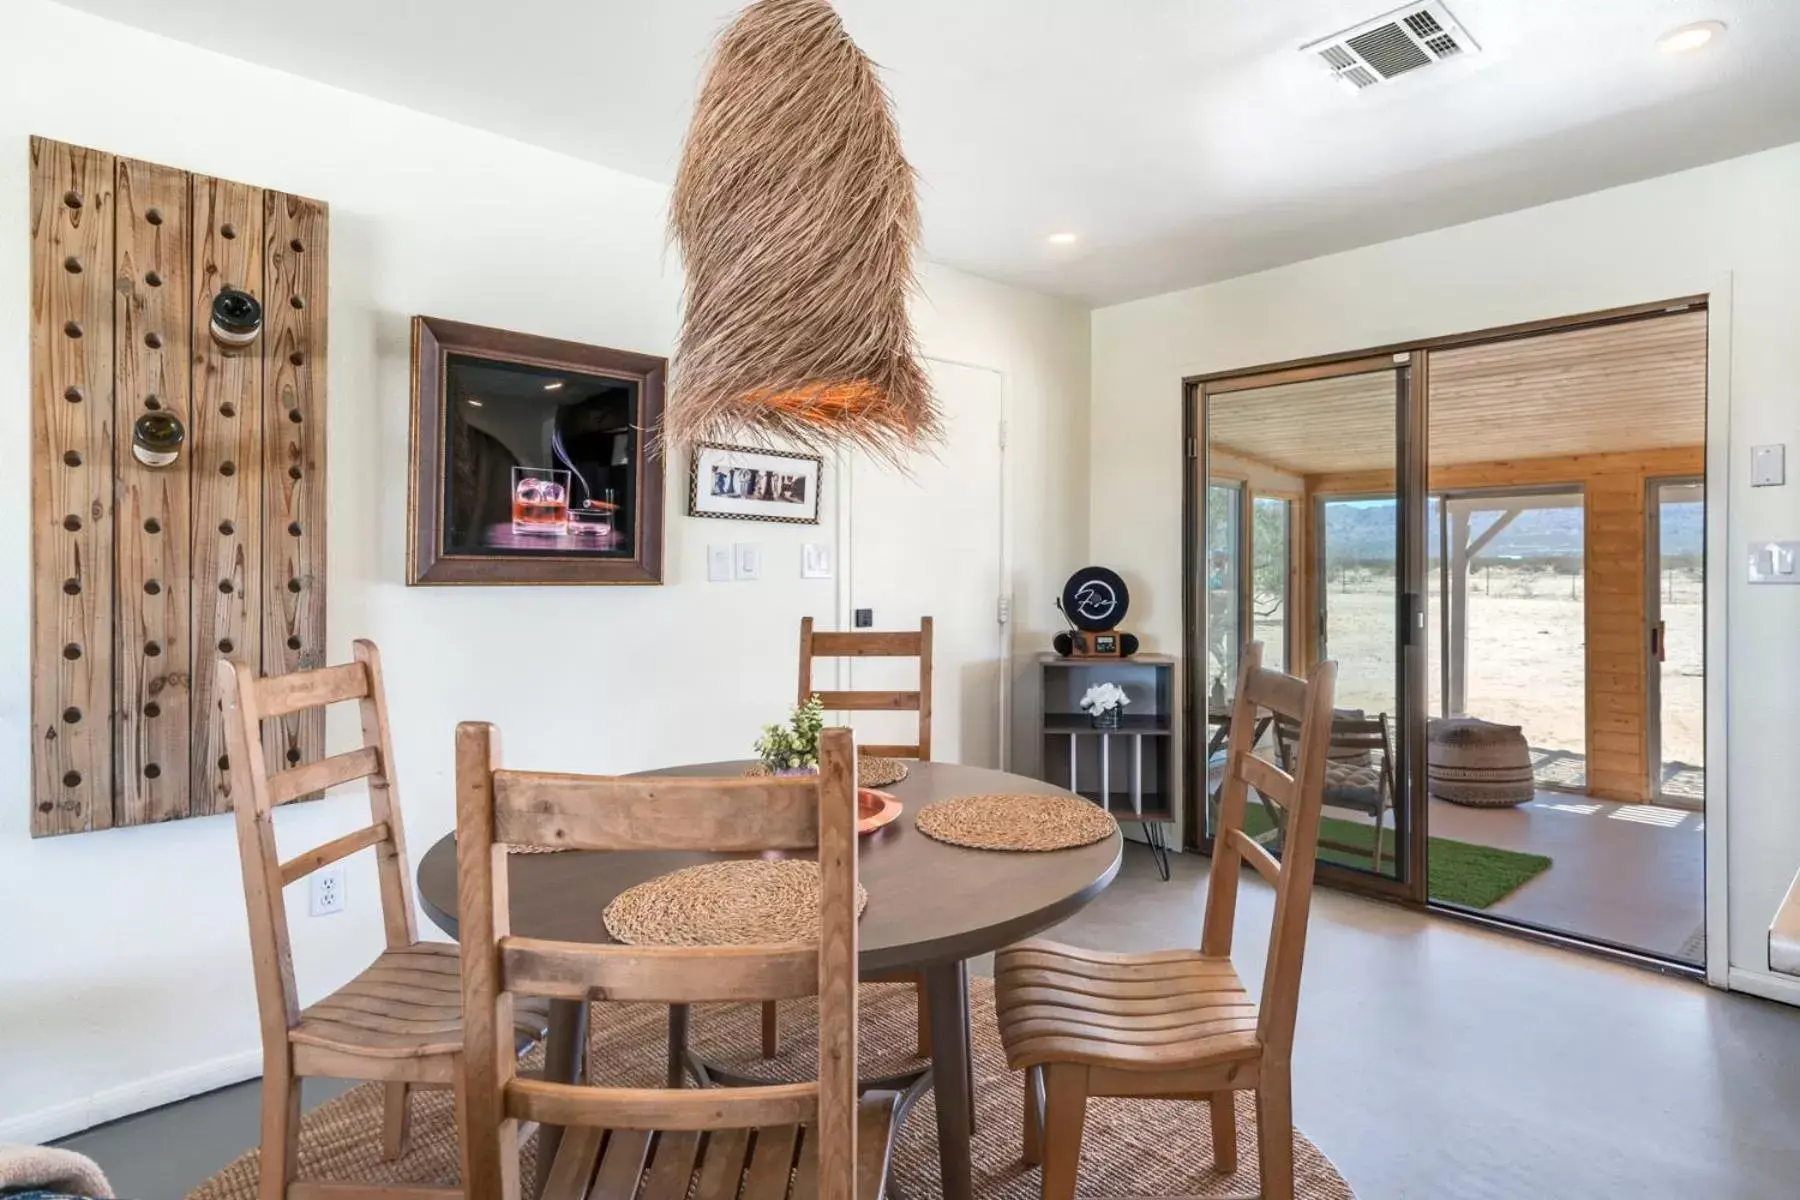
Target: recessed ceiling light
1061,239
1689,37
555,385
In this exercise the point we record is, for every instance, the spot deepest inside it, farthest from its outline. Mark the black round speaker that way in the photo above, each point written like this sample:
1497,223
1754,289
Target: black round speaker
1095,599
1063,643
1128,644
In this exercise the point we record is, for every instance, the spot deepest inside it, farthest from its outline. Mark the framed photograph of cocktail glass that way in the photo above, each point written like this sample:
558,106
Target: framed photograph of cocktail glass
530,460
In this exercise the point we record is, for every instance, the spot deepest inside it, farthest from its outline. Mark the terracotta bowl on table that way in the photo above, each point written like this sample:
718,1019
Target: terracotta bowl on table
874,809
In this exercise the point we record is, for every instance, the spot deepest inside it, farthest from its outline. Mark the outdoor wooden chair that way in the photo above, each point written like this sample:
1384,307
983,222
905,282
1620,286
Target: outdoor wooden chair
399,1021
1179,1024
869,643
621,1143
1354,777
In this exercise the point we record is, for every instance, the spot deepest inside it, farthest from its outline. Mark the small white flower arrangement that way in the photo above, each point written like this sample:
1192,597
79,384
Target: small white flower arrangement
1103,701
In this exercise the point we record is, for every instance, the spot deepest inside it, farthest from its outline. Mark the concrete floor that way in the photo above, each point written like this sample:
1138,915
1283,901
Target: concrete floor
1434,1061
1630,874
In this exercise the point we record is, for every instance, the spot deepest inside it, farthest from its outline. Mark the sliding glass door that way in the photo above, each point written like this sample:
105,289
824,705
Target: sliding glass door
1311,545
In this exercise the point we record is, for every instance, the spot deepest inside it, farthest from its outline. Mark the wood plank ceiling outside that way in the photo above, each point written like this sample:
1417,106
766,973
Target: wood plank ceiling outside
1635,386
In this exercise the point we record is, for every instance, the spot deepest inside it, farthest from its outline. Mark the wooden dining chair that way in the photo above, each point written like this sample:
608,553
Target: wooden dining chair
805,1140
869,643
1179,1024
398,1021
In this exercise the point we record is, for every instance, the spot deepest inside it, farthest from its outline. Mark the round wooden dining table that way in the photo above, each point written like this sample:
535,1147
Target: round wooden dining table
932,907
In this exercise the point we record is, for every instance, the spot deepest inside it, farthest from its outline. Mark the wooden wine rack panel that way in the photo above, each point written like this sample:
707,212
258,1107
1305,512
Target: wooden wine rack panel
144,577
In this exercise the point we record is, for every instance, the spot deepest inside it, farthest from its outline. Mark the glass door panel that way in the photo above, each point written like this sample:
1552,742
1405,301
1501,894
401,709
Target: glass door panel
1511,639
1678,648
1223,565
1272,545
1322,577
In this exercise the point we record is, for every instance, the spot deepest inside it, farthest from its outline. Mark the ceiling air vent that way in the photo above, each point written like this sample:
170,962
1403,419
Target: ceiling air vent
1389,46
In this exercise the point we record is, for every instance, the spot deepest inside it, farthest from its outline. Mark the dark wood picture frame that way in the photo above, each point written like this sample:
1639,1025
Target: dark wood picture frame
428,562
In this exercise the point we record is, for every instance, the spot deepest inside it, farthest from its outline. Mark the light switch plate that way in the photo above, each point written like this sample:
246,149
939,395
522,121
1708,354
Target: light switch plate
1775,562
749,560
718,564
815,561
1768,466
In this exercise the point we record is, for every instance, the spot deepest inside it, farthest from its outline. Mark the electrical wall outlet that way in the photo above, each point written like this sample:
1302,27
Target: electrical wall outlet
327,891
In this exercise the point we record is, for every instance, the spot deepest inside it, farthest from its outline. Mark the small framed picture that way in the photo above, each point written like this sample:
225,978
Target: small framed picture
748,483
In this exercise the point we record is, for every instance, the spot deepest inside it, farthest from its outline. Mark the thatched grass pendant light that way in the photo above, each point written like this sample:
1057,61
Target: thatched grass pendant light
796,215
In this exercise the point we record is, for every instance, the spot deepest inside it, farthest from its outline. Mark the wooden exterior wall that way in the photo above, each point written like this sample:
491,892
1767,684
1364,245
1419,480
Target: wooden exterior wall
143,577
1615,487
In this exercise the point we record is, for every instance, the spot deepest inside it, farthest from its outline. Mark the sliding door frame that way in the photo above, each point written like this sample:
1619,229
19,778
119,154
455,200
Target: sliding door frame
1408,371
1412,359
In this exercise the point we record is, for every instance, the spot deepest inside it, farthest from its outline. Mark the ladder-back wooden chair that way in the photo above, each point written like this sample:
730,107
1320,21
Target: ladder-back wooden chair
622,1143
399,1021
1180,1024
869,643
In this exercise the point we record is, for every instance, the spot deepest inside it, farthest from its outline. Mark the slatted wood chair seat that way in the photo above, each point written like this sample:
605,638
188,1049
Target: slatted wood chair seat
777,1163
407,1004
1168,1009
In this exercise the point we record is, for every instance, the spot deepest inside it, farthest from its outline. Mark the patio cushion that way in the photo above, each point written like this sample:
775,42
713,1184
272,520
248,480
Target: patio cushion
1478,763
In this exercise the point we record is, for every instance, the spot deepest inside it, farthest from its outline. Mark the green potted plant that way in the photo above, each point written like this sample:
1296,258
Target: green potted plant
793,749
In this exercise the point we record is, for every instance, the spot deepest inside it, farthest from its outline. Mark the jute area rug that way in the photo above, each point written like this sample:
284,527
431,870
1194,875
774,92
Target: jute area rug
1132,1147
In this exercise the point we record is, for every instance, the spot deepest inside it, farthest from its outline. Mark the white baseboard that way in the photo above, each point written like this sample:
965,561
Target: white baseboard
139,1096
1784,989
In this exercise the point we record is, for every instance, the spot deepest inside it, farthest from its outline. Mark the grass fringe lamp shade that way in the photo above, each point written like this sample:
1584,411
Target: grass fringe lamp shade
797,217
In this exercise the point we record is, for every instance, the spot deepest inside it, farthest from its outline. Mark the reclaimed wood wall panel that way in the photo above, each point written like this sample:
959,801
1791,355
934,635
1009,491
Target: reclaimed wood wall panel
226,430
144,576
71,487
152,323
294,233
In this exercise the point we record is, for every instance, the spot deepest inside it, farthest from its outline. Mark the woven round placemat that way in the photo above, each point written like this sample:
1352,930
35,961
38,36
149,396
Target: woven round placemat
740,902
1003,821
870,772
879,772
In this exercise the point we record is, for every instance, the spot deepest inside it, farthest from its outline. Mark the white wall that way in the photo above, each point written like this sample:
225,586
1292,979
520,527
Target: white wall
1732,227
124,964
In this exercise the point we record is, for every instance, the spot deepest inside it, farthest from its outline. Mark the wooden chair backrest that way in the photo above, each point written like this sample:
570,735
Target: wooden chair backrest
1308,702
1347,733
497,807
247,700
869,643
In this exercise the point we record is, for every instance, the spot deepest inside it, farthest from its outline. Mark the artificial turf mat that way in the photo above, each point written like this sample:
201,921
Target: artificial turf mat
1460,872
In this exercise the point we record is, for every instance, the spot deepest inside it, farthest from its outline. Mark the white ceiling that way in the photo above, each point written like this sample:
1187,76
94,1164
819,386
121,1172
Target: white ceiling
1184,140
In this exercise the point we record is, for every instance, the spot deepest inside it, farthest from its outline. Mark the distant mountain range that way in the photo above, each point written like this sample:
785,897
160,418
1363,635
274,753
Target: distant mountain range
1363,531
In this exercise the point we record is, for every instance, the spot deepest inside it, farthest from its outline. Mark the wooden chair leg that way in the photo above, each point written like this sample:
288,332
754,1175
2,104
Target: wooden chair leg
396,1114
280,1127
771,1029
1034,1117
1275,1132
1065,1103
924,1017
1223,1106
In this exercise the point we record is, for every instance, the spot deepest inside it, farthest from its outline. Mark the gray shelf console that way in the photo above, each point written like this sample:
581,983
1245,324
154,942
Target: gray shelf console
1130,770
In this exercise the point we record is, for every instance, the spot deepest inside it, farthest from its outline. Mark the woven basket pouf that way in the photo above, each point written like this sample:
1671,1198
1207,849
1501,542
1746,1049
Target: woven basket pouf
1478,763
